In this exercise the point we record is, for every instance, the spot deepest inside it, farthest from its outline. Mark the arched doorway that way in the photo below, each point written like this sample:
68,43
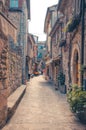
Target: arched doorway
76,67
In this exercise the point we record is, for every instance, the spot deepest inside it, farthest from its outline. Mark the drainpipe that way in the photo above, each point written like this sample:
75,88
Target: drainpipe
82,37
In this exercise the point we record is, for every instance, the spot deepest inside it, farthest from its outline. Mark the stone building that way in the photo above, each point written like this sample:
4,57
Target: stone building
19,13
72,31
55,48
50,19
14,66
30,62
7,28
53,23
69,33
10,56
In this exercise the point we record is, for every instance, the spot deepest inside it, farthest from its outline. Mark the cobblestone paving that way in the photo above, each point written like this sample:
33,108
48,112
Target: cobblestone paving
43,108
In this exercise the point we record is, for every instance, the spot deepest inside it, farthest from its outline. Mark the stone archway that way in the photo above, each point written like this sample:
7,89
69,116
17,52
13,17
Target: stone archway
75,65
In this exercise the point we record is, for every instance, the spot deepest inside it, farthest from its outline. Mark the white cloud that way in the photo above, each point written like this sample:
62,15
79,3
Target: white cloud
38,12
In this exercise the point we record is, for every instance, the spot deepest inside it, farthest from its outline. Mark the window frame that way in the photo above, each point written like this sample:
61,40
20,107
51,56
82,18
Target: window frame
14,3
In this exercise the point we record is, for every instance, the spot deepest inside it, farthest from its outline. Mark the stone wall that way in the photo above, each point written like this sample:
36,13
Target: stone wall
10,64
8,27
4,6
15,18
66,50
73,42
19,18
10,74
3,109
14,71
3,78
3,66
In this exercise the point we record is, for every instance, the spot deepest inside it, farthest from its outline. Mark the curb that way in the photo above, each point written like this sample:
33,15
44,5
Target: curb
14,100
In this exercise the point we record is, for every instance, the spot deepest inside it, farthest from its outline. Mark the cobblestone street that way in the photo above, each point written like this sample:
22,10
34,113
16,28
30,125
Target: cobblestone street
43,108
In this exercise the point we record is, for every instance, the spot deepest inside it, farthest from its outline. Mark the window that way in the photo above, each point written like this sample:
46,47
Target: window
39,55
62,32
13,3
40,47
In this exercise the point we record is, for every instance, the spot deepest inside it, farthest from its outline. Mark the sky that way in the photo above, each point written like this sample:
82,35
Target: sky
38,14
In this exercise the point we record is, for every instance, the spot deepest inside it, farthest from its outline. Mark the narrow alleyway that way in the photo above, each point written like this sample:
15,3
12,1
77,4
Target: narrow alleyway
43,108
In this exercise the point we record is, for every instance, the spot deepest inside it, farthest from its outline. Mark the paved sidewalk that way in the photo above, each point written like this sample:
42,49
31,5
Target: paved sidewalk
43,108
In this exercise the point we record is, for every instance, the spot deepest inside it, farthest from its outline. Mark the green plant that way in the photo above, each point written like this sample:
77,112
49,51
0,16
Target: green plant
77,99
61,78
72,23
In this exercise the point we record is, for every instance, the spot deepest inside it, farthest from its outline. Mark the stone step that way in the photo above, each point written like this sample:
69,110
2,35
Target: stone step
14,99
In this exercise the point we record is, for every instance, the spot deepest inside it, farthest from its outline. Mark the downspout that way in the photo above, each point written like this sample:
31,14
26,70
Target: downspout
82,36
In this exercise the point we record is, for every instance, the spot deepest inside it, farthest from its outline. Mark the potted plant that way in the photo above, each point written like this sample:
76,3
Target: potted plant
61,80
77,100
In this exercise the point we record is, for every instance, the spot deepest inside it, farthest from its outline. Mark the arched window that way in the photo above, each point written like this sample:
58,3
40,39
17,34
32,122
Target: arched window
13,3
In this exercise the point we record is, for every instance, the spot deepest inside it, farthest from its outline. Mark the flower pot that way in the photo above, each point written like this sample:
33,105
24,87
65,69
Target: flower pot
63,89
82,115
